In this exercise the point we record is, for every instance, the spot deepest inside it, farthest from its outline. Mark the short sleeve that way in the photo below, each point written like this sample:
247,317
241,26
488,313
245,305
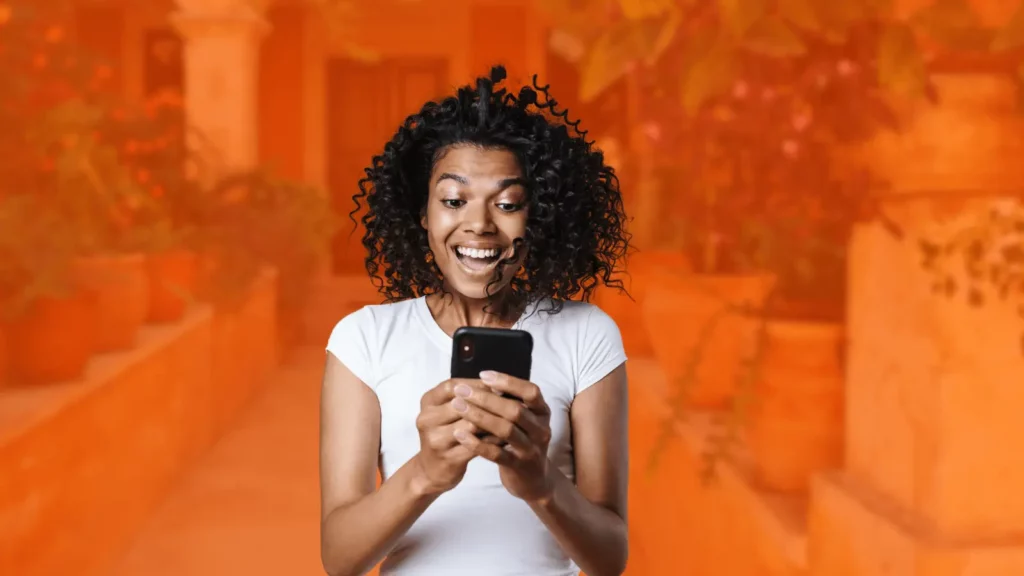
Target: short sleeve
601,351
352,342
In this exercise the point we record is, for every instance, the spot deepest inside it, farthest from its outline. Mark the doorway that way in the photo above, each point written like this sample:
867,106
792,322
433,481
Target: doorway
366,102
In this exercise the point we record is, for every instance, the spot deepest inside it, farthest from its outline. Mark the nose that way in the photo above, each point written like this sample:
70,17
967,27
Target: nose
477,219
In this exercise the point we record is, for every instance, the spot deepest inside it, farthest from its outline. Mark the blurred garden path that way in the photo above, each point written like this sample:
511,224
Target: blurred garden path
251,505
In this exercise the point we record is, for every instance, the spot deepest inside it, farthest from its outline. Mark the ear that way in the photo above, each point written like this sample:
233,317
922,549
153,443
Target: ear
423,218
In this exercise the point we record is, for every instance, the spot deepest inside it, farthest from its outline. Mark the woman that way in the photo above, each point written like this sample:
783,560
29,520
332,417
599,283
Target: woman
485,209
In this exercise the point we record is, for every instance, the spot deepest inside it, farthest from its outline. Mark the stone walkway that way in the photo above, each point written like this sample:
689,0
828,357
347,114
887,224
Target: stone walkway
251,506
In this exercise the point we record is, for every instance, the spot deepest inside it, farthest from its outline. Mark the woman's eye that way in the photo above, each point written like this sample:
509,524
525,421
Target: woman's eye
453,203
508,207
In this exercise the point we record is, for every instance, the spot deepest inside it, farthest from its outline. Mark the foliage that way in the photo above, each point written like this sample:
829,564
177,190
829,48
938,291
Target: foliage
982,261
34,262
714,36
83,171
52,159
259,219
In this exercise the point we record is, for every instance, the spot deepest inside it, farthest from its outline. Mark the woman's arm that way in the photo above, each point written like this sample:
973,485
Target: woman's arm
359,525
589,519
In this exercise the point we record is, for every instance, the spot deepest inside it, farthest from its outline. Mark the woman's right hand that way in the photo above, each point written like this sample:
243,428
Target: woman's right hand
442,460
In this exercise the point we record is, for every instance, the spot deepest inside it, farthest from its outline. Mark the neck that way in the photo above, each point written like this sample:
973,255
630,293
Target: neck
452,311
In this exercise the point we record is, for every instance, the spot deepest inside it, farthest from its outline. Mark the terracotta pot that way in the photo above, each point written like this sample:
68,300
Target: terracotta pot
53,340
698,338
795,426
122,294
643,268
172,284
647,267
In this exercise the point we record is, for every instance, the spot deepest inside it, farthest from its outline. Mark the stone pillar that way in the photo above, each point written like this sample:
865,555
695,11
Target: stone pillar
222,39
935,387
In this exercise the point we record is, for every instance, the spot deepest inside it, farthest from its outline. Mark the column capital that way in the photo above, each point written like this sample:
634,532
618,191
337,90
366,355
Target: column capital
206,18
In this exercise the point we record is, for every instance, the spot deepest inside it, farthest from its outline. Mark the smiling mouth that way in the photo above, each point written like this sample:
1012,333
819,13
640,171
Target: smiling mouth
478,259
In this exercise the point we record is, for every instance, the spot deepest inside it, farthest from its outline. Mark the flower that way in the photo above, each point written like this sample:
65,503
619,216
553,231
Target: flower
802,120
54,34
653,131
740,90
790,148
845,67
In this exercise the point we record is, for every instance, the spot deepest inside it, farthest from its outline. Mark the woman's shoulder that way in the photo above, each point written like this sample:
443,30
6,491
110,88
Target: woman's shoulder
369,325
574,315
373,317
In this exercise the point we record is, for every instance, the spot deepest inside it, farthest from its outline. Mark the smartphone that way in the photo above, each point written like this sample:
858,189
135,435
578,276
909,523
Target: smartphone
499,349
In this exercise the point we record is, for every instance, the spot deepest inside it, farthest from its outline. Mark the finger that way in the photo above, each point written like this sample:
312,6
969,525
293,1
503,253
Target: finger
491,452
528,392
512,410
438,395
459,454
445,391
495,425
435,416
441,438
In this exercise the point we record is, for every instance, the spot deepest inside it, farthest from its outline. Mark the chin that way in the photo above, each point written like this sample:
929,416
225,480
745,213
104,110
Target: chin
472,288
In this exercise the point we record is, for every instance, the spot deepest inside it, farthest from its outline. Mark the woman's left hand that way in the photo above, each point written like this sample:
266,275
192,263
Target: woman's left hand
523,425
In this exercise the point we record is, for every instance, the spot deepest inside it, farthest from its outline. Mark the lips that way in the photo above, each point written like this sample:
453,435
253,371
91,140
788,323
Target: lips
477,259
481,253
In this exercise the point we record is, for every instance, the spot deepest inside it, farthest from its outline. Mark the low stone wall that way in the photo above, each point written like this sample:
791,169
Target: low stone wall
679,524
82,464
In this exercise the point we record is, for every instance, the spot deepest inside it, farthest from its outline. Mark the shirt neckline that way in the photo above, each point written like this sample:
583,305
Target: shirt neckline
439,336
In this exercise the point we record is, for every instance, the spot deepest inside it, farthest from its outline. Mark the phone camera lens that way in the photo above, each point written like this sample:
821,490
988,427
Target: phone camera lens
466,349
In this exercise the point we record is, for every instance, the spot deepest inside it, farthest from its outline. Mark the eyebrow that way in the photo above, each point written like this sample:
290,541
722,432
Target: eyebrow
502,184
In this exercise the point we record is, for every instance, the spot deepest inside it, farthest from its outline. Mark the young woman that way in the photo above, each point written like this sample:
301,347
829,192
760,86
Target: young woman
485,209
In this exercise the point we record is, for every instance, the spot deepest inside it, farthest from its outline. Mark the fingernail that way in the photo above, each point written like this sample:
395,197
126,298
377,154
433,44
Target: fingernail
489,376
463,390
460,405
461,435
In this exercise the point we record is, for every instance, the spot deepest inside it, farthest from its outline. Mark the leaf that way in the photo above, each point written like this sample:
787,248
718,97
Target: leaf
620,48
644,9
740,15
710,72
954,24
1012,35
771,37
901,68
836,18
607,61
800,13
975,298
665,35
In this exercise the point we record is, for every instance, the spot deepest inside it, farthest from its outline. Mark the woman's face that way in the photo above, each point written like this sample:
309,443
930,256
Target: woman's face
475,209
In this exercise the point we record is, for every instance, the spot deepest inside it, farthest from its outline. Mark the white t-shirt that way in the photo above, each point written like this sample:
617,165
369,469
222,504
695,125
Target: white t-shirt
478,528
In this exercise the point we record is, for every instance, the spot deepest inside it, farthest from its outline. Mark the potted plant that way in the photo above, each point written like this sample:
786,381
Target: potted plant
259,220
150,140
93,187
55,140
49,320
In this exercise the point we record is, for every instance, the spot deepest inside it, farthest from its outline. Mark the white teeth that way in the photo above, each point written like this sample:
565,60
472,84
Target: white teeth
476,252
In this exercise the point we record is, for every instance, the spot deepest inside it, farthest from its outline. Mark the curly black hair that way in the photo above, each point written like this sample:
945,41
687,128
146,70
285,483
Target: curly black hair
575,231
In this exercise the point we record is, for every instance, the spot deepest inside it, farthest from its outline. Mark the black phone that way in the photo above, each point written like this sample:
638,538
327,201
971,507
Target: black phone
499,349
